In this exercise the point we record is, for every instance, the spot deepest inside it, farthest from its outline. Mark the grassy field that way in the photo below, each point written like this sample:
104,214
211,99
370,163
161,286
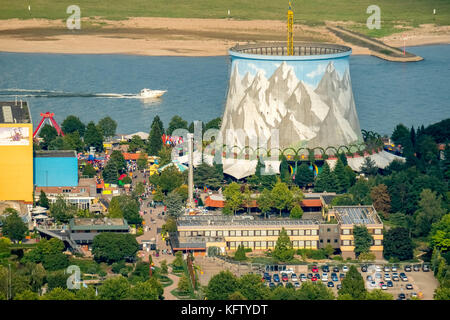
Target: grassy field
311,12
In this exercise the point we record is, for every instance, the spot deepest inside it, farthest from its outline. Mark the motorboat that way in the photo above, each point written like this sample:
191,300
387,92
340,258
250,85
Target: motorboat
147,93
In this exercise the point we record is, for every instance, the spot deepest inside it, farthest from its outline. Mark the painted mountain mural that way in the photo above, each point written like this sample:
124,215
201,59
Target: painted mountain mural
305,116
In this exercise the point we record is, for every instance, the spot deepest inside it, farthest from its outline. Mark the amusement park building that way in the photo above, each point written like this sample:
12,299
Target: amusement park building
16,152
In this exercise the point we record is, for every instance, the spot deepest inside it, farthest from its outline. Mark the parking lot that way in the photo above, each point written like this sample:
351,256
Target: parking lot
397,281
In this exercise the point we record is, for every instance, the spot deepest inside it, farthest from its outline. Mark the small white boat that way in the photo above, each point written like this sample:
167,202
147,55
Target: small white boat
147,93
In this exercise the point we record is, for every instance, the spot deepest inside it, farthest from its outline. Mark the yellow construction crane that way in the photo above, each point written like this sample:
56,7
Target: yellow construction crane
290,31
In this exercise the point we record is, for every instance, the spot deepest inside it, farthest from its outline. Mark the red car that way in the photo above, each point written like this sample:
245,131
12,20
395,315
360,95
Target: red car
314,279
315,269
284,277
381,283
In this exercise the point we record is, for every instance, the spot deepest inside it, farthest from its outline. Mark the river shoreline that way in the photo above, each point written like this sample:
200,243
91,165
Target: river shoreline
178,37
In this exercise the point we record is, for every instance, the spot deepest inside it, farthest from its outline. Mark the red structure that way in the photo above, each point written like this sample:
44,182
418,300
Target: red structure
48,116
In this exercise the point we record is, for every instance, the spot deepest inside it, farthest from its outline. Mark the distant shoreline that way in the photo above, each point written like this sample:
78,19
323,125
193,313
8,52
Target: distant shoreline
178,37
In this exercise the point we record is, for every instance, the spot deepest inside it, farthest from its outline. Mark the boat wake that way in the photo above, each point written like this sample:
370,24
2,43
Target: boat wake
27,93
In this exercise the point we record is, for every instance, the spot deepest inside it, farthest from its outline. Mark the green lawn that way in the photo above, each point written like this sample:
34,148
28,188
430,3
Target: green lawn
409,12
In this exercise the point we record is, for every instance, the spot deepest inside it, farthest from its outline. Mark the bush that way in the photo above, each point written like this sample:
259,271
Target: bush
117,266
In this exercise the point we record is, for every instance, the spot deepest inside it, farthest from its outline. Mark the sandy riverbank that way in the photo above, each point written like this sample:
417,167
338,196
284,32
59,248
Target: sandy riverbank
175,37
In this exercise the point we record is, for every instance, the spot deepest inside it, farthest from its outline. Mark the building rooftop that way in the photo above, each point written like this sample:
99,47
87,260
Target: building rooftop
55,154
357,215
14,112
98,224
221,220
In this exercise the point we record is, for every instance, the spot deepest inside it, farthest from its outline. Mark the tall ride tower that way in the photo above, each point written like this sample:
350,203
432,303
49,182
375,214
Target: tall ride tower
290,31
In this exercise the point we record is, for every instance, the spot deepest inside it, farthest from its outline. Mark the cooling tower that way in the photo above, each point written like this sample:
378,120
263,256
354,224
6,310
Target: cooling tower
308,96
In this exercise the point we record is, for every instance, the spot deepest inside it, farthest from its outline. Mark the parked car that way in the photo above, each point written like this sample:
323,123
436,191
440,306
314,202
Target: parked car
425,268
276,277
395,278
339,286
364,268
335,279
314,279
369,278
294,277
407,268
414,295
314,269
344,268
336,269
303,277
271,285
341,276
394,268
309,276
284,277
381,283
409,286
390,284
377,275
384,286
387,269
317,275
325,268
387,277
267,277
330,284
373,284
324,276
416,267
297,284
378,268
401,296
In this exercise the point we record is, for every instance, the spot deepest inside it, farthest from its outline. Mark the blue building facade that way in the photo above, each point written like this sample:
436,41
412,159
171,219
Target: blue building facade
55,169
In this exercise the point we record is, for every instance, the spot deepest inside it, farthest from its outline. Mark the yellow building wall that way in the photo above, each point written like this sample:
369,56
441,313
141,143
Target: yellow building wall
16,168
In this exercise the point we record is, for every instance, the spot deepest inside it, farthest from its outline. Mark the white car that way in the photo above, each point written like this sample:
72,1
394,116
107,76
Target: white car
384,287
404,278
373,284
344,268
378,268
324,277
387,277
394,268
294,277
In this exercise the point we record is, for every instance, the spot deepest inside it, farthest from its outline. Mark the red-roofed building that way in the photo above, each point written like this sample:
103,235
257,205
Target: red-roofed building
132,156
312,205
215,201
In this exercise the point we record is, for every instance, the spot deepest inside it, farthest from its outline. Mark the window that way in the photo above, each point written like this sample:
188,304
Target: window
244,233
245,244
219,233
194,233
328,229
213,233
182,234
328,240
270,244
270,232
233,244
238,233
307,232
301,244
207,233
377,231
225,233
232,233
295,232
314,232
378,242
263,232
251,244
346,242
321,240
289,232
314,244
345,231
257,232
295,243
276,232
251,233
264,244
335,241
308,244
301,232
258,244
336,230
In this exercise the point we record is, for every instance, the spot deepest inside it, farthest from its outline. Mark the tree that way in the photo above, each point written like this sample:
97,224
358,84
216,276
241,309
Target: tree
283,248
93,137
169,179
281,196
369,167
59,294
144,291
304,175
174,204
176,123
378,294
142,161
116,288
296,212
107,127
112,247
342,180
72,141
442,293
155,137
381,199
89,170
178,262
234,199
285,173
239,255
353,285
221,285
27,295
440,234
251,287
207,176
135,144
314,291
165,155
326,180
361,192
164,269
61,210
73,124
86,294
13,226
118,158
48,133
129,207
430,211
110,173
400,134
397,244
362,238
264,201
343,200
115,210
183,284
